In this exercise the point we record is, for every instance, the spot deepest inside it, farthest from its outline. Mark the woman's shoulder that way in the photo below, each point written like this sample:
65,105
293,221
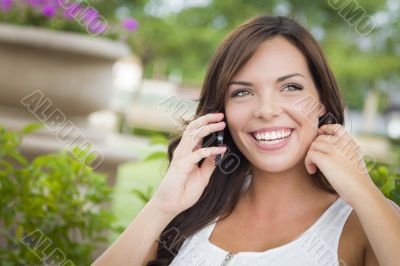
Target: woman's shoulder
353,227
354,243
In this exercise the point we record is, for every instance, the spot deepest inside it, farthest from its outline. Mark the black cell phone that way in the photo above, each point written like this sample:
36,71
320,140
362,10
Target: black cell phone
220,142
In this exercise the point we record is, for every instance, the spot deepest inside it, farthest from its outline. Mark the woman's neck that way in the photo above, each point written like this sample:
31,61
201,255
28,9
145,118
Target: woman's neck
270,193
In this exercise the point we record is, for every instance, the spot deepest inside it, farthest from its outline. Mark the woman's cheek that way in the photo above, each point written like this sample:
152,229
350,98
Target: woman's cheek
236,116
306,138
306,130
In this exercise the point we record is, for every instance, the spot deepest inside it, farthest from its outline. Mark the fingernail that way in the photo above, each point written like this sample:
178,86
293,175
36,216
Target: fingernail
222,148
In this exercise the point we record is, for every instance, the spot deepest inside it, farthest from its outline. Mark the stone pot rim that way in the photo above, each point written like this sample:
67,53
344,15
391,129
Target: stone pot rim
63,41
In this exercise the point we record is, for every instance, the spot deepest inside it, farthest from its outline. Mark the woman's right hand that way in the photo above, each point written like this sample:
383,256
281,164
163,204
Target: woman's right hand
184,181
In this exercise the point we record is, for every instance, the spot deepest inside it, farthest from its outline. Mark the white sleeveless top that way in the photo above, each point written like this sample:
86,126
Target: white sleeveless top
318,245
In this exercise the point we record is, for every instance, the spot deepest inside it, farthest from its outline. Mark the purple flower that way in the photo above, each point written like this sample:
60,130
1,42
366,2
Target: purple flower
72,12
88,15
43,4
49,11
97,26
5,5
130,24
67,15
38,3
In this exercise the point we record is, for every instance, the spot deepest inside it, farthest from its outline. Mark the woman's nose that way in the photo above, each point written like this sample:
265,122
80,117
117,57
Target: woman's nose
268,106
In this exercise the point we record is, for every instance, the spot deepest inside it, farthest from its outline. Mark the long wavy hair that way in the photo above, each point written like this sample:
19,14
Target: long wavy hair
222,192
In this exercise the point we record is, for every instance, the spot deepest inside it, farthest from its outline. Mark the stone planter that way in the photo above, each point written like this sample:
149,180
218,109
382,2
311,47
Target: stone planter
73,70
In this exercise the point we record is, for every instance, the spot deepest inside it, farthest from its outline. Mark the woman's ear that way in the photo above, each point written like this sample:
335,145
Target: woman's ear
326,118
321,114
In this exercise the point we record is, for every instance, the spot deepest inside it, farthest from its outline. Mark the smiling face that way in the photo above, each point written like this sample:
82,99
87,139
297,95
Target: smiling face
263,107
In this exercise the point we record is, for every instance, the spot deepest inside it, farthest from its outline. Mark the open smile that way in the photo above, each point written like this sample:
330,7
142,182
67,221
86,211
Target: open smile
271,139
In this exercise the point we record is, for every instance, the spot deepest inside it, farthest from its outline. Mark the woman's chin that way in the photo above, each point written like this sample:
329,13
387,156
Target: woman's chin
271,166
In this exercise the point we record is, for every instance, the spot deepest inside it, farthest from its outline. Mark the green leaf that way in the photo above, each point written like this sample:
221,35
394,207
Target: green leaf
156,155
159,139
144,196
395,194
31,128
388,186
54,193
383,171
17,156
19,232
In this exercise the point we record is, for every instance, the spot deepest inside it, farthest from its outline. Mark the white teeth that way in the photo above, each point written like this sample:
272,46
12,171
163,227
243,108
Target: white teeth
271,141
272,136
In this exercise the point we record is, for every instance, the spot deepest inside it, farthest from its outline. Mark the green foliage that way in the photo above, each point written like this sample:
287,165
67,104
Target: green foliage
387,179
147,132
144,196
184,41
26,13
157,155
159,139
54,196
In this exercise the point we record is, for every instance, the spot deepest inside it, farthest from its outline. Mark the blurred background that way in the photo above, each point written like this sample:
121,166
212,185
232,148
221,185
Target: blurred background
91,92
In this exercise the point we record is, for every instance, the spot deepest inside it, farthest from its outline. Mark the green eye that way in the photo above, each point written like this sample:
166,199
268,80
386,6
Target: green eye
292,87
240,93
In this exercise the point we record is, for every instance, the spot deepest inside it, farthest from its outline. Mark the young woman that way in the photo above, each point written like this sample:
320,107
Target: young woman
291,188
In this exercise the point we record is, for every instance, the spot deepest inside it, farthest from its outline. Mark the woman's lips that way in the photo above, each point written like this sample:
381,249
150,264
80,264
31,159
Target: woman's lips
265,146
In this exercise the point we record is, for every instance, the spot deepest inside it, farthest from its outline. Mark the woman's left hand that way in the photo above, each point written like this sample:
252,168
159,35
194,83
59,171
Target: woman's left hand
339,157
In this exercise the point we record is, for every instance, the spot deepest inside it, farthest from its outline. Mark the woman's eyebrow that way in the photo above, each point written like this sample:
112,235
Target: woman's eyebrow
245,83
280,79
288,76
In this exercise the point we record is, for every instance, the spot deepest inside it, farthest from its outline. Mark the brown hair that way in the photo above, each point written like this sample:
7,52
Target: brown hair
222,192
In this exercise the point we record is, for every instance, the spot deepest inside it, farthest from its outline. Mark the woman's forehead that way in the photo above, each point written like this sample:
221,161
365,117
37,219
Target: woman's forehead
275,58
